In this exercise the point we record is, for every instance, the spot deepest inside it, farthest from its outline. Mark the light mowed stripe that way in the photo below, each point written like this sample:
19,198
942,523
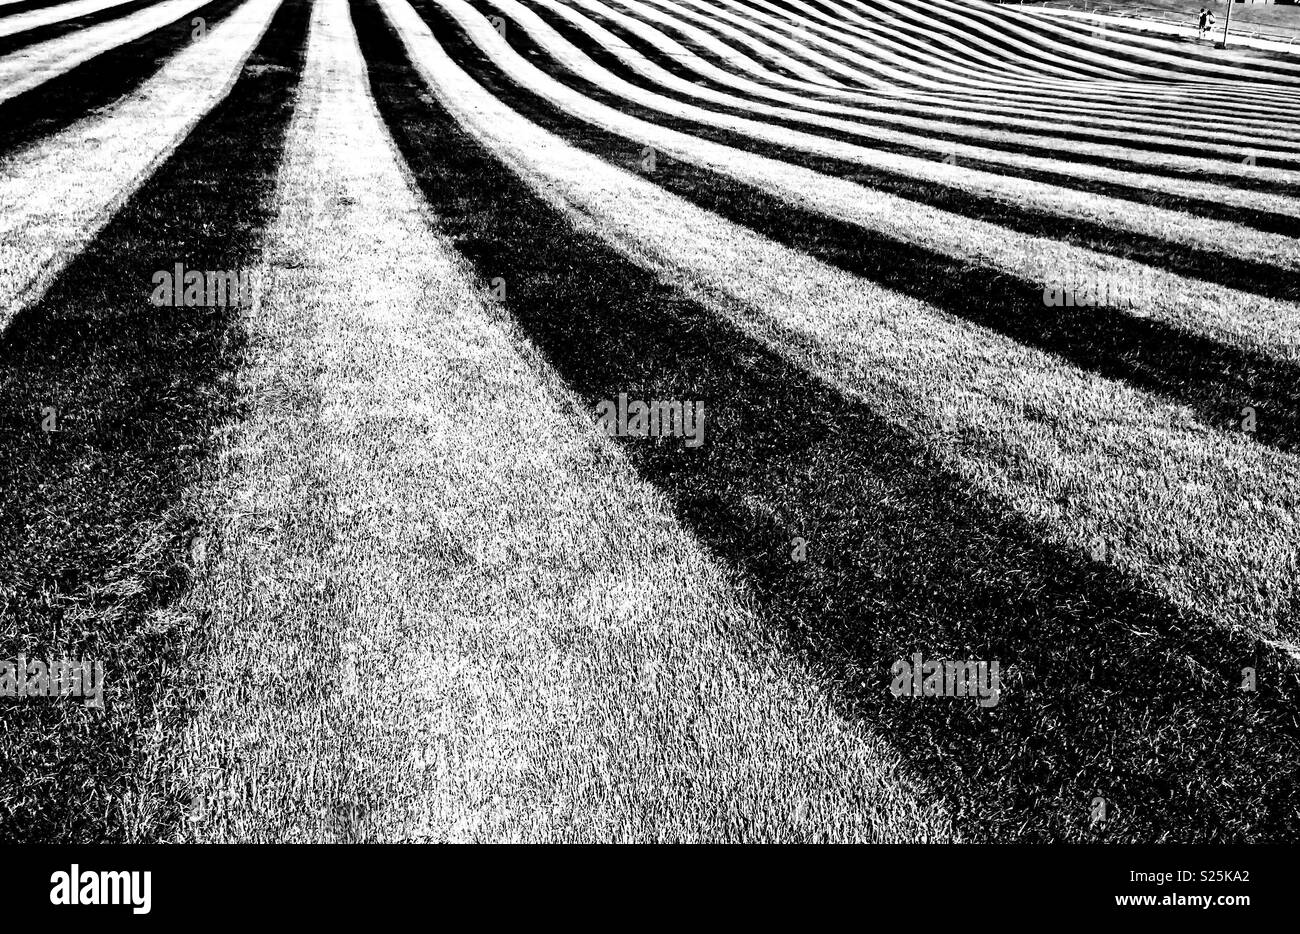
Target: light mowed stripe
1077,45
1200,307
28,68
917,69
1113,131
101,509
64,11
479,624
58,193
912,73
99,83
1206,114
925,369
909,555
954,150
754,24
991,111
1058,36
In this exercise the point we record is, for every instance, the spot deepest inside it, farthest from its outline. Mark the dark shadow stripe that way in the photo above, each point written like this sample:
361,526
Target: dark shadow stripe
774,66
1070,148
1133,66
1259,61
1215,379
11,44
138,391
1188,107
857,77
1066,151
900,182
98,83
15,9
1204,49
1045,64
1111,691
1207,264
1260,58
1034,54
1204,103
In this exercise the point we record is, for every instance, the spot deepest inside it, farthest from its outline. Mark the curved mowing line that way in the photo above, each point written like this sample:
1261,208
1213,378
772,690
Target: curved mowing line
1051,216
1079,38
964,52
1047,73
965,55
59,194
913,559
1012,110
1172,298
964,47
61,101
946,82
34,65
1140,188
1061,126
1079,166
912,100
12,43
867,67
1209,376
787,66
40,19
138,390
11,8
1079,44
1025,103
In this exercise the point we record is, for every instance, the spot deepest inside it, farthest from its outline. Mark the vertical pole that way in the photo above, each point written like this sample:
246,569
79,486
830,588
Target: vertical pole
1227,18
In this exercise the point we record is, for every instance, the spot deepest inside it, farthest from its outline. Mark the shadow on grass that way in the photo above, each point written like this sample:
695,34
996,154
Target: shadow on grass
1216,380
13,43
1065,146
94,517
58,103
14,9
1208,265
1036,54
1108,691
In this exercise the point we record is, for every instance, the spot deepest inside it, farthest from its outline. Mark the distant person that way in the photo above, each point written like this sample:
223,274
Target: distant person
1204,22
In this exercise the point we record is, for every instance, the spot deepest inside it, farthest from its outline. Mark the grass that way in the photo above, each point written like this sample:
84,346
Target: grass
13,9
97,519
1050,47
1036,212
361,567
956,125
468,619
58,103
45,33
1271,18
1179,299
1147,352
910,556
1208,518
33,65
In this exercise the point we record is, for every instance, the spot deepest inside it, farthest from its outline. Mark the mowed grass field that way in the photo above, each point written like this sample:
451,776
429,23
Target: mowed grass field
1275,19
362,564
